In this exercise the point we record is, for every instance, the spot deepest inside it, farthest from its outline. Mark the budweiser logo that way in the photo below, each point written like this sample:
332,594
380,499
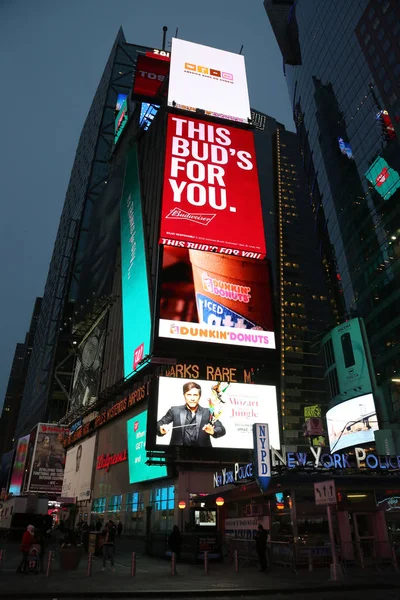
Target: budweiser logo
201,218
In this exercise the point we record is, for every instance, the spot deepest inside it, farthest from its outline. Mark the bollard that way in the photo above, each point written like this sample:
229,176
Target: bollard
310,564
1,557
133,565
49,559
394,560
173,563
236,557
205,563
89,565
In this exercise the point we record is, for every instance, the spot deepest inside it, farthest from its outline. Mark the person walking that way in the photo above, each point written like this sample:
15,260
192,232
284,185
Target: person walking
110,532
175,541
27,540
119,529
261,547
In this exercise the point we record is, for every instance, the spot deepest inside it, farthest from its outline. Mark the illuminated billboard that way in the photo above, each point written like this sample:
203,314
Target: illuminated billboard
77,482
135,289
120,100
349,359
211,197
345,148
18,472
208,79
215,298
150,75
384,179
47,470
352,423
147,114
138,470
120,121
210,414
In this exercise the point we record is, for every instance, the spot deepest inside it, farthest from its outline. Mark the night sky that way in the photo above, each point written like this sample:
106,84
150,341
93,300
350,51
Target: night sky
54,54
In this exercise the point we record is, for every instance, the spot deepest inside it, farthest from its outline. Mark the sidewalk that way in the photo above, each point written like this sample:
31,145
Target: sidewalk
153,578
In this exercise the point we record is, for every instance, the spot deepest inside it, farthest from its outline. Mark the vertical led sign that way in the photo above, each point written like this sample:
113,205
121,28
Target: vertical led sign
135,288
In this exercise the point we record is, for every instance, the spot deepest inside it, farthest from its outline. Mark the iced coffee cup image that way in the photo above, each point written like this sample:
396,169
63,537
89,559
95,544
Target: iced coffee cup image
231,291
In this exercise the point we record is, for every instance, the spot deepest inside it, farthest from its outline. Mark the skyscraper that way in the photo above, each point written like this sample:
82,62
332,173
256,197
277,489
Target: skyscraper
46,395
342,65
305,302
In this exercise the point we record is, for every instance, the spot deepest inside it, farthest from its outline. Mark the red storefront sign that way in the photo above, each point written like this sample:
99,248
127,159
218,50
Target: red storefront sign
105,461
211,197
150,76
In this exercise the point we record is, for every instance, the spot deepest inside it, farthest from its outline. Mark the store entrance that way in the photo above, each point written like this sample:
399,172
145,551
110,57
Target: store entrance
363,537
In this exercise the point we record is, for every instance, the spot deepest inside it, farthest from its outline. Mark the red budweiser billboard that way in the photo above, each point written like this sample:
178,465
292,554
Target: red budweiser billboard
211,198
150,75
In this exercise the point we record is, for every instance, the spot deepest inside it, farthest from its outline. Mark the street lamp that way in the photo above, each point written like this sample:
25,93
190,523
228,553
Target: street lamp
181,506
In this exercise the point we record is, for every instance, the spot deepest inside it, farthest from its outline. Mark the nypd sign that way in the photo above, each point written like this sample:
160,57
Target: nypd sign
262,456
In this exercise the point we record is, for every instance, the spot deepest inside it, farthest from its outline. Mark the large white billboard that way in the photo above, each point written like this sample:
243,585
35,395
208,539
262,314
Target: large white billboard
78,471
209,79
208,414
352,423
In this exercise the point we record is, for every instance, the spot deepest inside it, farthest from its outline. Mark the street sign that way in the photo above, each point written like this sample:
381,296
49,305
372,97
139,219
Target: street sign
325,493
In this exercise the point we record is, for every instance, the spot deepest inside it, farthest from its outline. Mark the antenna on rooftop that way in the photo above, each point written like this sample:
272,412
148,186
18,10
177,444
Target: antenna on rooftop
165,29
241,49
176,32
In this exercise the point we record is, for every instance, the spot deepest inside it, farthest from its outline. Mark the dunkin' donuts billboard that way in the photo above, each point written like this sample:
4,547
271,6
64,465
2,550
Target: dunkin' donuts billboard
211,197
207,297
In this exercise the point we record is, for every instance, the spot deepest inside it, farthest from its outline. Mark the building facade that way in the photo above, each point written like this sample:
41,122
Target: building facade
342,66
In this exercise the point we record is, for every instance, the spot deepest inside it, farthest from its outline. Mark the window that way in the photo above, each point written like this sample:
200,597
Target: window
391,57
134,502
371,14
371,50
381,34
99,505
163,498
381,73
387,85
392,98
376,61
386,45
385,6
367,39
376,23
115,503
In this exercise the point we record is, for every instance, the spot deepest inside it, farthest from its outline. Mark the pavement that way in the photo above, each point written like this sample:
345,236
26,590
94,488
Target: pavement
154,579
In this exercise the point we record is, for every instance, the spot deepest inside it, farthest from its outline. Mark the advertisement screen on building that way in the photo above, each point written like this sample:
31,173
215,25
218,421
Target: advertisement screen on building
47,470
138,470
350,356
5,471
209,79
150,75
384,179
352,423
120,100
215,298
147,113
18,472
78,471
211,197
135,289
209,414
120,121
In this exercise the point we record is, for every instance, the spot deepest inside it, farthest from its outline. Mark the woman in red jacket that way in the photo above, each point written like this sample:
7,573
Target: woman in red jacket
27,540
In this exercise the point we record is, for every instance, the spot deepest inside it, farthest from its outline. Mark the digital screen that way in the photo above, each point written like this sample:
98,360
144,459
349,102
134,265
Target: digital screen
350,359
78,471
345,148
208,79
205,518
150,75
47,470
120,100
147,114
209,414
211,197
138,470
384,179
215,298
135,288
120,121
18,472
352,423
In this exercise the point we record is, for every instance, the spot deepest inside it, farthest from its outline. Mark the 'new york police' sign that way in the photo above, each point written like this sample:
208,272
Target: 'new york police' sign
262,456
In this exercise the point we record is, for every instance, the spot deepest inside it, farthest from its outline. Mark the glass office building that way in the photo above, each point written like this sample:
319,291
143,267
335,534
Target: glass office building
342,65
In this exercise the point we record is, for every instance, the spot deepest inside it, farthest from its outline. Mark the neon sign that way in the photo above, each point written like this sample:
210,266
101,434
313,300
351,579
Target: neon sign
105,461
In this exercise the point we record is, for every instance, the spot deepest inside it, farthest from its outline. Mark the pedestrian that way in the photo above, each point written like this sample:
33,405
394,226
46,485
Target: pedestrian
261,547
27,540
98,524
119,529
40,536
85,536
175,541
110,532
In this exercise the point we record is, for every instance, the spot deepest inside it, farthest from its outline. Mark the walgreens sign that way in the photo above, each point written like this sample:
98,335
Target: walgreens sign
211,197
